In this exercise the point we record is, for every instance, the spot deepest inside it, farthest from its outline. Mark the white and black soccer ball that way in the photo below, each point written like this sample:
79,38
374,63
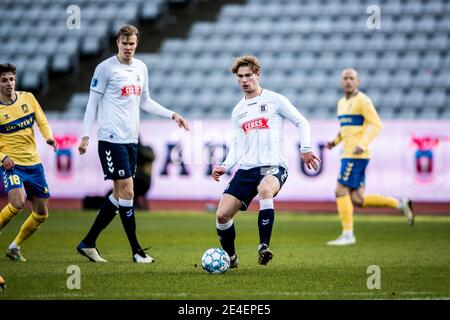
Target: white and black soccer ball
215,260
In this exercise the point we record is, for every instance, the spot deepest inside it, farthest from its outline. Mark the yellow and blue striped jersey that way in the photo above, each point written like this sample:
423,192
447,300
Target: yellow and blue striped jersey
359,125
16,129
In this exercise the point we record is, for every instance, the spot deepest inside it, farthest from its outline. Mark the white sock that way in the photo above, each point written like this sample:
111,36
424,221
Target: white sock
265,204
224,226
348,233
13,245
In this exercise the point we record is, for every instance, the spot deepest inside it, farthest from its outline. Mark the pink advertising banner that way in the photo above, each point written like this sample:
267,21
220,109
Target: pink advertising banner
409,158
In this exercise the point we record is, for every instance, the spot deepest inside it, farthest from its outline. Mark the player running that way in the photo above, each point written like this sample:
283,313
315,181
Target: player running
360,124
21,168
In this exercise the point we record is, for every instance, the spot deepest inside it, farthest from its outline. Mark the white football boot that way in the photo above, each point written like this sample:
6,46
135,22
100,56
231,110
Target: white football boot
343,240
407,210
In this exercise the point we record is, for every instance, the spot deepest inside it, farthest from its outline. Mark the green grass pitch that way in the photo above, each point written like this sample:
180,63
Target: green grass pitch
414,261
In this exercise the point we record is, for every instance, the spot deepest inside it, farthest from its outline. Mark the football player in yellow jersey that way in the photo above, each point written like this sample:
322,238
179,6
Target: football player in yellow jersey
359,125
21,169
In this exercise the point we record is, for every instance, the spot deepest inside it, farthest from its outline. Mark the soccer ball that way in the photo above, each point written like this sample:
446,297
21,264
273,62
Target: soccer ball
215,260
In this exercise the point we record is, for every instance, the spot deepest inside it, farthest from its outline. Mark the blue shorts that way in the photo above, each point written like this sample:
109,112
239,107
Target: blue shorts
353,173
31,178
244,185
118,159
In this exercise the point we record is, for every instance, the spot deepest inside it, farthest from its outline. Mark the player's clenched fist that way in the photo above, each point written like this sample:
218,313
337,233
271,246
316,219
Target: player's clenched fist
217,172
83,145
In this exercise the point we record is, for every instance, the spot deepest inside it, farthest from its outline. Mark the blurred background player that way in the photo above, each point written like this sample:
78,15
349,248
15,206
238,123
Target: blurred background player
359,125
21,168
257,124
143,176
119,88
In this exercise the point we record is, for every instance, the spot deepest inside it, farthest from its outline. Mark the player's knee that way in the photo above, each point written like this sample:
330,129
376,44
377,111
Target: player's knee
357,201
222,216
126,192
265,193
18,203
340,193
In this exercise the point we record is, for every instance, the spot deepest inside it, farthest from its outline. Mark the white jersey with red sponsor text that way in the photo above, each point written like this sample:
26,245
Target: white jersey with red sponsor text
258,130
122,86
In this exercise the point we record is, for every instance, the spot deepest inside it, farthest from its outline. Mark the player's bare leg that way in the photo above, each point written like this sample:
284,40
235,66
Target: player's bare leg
267,188
227,209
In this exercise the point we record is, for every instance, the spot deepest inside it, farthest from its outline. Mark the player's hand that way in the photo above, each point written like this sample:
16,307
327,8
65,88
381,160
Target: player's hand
182,123
312,162
53,143
82,148
358,150
7,163
330,145
217,172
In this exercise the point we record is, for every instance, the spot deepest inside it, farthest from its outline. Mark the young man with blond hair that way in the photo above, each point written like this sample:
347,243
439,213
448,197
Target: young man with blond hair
257,142
119,88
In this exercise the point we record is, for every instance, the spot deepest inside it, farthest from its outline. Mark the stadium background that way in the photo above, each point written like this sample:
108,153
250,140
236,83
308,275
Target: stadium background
188,46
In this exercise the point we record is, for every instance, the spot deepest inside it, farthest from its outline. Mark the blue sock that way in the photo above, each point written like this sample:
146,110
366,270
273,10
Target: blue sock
266,218
227,234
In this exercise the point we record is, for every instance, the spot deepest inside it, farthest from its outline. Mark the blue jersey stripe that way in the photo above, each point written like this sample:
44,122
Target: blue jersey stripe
18,124
351,120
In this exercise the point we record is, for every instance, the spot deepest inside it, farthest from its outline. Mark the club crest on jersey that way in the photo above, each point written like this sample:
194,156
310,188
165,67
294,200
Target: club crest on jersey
263,107
24,108
129,90
259,123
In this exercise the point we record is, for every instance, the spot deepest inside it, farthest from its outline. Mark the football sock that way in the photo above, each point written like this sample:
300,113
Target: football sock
7,213
104,217
266,218
227,234
126,211
377,200
345,210
30,225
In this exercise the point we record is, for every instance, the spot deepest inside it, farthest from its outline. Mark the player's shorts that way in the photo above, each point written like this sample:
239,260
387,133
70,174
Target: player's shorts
353,173
244,185
31,178
118,159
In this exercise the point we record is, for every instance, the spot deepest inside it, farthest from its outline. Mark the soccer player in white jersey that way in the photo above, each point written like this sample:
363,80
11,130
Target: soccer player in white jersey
119,88
257,122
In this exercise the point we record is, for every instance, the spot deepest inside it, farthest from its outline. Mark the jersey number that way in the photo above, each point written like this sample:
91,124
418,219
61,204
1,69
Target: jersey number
14,179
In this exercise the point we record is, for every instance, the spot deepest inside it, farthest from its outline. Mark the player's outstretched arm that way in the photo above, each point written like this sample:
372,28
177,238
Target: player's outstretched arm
311,160
182,123
217,172
82,148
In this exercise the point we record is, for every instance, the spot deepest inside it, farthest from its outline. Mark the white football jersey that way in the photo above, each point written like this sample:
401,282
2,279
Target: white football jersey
122,87
258,129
